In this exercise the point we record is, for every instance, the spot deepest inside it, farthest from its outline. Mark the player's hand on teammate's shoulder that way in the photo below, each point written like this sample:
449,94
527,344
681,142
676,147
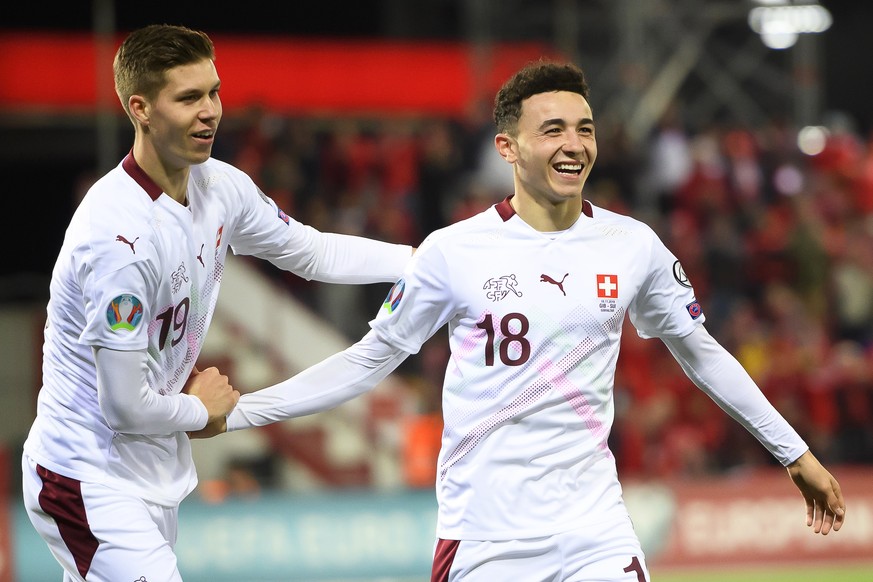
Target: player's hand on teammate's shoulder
825,507
215,391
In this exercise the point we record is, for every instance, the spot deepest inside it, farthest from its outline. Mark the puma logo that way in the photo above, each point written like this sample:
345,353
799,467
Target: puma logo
560,284
120,238
200,256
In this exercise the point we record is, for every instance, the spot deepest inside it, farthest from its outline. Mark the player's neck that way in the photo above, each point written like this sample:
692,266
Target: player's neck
173,181
547,215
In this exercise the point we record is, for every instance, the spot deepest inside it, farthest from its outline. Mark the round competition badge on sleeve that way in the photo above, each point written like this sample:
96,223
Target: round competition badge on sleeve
394,296
124,312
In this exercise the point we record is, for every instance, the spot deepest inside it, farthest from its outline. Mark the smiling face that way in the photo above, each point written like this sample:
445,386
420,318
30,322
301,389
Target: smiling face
180,122
553,147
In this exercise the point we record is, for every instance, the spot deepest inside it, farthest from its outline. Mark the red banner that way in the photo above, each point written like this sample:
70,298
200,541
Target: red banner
72,73
755,519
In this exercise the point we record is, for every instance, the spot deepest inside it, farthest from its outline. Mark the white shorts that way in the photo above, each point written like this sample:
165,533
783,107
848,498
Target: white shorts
610,552
97,533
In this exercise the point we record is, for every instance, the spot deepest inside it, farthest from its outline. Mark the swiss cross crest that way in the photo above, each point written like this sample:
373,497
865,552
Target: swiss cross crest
607,286
607,292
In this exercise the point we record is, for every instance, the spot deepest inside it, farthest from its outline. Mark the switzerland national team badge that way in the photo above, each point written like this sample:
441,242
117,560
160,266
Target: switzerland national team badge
394,296
607,286
124,312
607,292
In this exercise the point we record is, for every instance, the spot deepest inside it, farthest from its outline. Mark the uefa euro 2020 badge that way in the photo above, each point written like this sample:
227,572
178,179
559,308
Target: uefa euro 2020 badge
392,301
124,312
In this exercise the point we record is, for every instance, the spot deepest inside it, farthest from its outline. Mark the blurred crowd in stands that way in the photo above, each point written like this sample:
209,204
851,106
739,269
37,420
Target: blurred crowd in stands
777,243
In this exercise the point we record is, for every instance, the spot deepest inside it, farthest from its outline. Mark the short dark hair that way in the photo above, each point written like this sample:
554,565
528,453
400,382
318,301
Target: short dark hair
533,79
147,53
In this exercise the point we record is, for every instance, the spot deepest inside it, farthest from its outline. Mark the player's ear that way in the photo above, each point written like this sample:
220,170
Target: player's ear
506,146
139,109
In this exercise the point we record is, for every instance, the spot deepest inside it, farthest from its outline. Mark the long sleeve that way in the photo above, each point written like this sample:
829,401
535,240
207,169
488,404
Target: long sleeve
340,258
715,371
128,404
325,385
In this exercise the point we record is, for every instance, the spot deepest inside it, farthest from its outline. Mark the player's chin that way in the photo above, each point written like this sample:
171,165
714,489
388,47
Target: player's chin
200,156
569,186
568,191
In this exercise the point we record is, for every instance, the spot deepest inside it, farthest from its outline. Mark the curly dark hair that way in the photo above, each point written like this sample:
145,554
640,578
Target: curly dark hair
533,79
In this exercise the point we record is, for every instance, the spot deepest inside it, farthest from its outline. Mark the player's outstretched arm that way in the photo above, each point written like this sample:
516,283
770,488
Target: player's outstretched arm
325,385
717,373
825,507
339,258
334,380
721,376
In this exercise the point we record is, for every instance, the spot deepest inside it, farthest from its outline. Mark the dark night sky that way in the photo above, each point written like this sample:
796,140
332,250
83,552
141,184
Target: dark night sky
848,46
337,18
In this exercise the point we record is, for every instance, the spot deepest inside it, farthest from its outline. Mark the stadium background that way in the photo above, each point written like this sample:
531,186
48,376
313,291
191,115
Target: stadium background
371,118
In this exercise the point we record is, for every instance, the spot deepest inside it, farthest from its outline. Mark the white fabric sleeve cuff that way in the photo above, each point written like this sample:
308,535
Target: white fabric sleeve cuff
325,385
130,406
715,371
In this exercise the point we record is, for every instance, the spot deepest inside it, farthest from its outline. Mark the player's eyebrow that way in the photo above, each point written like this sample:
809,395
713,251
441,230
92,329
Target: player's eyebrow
562,123
555,121
194,90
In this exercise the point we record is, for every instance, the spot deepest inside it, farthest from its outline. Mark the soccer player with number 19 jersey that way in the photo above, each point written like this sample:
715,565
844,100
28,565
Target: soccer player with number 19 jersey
535,291
107,460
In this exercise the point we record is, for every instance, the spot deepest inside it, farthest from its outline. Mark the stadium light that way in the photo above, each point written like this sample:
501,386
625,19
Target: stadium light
779,22
812,139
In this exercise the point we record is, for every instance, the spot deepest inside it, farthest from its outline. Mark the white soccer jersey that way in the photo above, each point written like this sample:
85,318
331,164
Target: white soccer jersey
534,321
139,271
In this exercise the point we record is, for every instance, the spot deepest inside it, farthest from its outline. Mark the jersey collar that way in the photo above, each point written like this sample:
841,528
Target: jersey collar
506,211
140,177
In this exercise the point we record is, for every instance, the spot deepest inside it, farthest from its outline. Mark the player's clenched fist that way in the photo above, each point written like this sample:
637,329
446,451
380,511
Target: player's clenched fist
214,390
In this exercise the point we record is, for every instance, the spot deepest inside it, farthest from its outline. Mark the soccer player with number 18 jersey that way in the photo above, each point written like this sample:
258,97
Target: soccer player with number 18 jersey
535,291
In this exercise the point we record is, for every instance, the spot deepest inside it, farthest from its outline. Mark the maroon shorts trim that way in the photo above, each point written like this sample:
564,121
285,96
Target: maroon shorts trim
61,498
443,559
